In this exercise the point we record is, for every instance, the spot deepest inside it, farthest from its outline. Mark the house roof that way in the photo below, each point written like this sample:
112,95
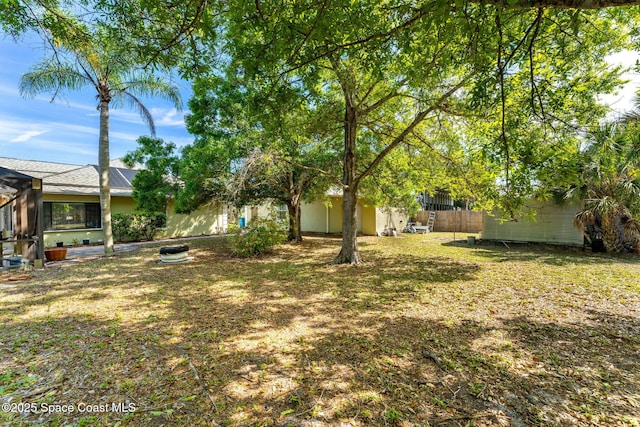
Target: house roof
59,178
35,168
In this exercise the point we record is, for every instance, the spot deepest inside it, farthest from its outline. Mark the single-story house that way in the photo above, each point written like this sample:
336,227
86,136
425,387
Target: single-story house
553,224
326,216
71,202
71,207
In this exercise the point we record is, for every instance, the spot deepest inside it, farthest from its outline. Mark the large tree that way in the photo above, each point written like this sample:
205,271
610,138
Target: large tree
411,70
439,54
119,48
99,63
392,66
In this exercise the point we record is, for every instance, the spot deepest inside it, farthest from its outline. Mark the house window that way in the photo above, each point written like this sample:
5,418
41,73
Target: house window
71,216
282,213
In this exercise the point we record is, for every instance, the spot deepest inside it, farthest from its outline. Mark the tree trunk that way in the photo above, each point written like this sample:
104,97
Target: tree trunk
105,187
349,253
613,233
295,230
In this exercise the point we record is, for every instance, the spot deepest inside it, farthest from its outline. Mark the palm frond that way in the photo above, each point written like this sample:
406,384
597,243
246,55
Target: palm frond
150,85
633,116
128,91
139,106
52,77
584,217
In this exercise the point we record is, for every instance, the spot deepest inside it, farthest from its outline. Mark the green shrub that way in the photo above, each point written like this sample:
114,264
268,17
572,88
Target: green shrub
138,226
260,237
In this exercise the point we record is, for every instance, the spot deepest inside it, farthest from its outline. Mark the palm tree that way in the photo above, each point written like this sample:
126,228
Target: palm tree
117,82
610,187
606,208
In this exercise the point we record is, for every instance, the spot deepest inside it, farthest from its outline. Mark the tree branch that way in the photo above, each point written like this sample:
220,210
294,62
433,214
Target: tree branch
379,35
507,4
534,87
416,121
558,4
312,169
394,93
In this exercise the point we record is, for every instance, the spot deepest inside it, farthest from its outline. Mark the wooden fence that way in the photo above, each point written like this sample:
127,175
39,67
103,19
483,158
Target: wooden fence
462,221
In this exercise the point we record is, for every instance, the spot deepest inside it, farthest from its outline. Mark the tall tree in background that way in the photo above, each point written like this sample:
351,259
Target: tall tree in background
265,145
101,65
442,56
385,87
158,179
119,48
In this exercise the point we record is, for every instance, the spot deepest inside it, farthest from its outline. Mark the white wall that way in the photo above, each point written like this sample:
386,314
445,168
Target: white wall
553,224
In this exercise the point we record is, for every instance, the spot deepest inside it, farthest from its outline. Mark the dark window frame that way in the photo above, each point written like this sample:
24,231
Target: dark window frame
90,212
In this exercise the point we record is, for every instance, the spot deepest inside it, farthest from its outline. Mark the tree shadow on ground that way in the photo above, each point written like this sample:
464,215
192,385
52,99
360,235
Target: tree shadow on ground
391,370
548,254
288,341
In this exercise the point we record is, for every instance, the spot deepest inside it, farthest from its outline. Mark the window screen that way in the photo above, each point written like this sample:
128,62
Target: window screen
71,215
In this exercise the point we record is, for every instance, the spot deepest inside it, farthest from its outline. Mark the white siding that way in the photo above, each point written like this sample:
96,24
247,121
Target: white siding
552,224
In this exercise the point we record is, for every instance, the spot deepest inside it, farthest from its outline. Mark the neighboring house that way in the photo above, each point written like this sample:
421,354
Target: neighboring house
326,217
212,218
553,224
439,201
71,195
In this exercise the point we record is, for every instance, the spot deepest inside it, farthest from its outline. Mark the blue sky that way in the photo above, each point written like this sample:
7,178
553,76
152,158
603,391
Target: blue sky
66,130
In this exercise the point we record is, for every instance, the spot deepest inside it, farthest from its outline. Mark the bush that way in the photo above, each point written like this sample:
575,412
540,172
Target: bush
135,227
260,237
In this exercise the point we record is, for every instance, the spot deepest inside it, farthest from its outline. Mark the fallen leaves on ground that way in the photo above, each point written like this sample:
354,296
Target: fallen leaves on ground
425,332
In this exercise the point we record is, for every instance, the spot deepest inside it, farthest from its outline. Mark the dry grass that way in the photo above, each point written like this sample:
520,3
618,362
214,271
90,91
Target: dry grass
425,333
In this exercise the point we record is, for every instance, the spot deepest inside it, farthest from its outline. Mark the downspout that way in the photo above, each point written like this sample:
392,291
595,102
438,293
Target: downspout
327,218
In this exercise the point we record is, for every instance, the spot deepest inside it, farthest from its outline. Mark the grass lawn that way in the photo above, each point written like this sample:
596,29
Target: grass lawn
426,332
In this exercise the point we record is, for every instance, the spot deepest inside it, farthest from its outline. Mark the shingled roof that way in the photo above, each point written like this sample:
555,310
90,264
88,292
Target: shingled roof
59,178
35,168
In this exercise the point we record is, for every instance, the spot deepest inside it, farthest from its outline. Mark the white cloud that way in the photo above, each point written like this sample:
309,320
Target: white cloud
170,118
18,130
64,101
126,136
48,140
161,116
9,90
25,136
70,128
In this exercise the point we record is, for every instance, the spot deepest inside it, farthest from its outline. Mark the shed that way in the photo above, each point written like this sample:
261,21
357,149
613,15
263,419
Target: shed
553,224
